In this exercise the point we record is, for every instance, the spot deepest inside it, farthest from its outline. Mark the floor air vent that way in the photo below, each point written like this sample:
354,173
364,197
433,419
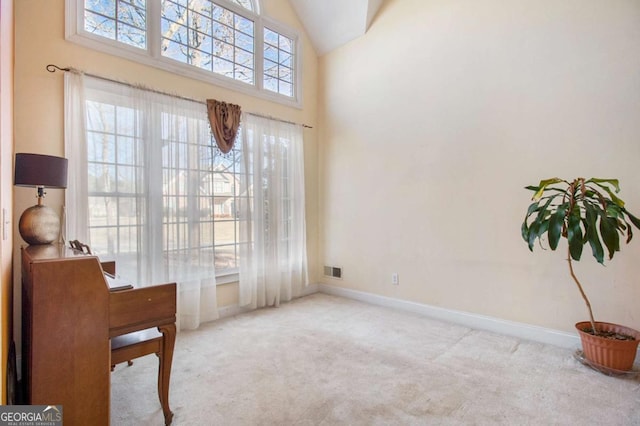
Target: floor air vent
332,271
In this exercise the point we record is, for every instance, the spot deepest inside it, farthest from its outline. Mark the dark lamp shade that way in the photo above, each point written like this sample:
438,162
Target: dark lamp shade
40,170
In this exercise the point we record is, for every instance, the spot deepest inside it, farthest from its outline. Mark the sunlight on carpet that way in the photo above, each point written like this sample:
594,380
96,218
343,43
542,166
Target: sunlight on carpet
326,360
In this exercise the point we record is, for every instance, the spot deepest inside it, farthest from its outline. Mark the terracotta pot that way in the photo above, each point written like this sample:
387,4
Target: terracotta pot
614,354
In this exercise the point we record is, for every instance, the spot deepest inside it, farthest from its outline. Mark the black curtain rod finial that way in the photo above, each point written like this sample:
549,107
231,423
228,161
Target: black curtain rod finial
53,68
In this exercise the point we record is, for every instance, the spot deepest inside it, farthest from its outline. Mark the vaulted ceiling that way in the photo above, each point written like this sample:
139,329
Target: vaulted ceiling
332,23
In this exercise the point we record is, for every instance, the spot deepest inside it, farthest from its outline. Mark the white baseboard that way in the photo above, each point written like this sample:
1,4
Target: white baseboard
231,310
475,321
310,289
519,330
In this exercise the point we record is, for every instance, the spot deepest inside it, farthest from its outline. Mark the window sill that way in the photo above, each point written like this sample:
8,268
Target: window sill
227,278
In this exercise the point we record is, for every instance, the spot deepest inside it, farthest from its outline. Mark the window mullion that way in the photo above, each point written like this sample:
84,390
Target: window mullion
77,20
259,54
152,136
154,32
296,77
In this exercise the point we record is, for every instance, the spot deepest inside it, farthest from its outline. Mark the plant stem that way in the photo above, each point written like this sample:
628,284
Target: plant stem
584,296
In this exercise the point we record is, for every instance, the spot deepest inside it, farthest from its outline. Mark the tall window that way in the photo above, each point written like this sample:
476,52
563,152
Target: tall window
148,187
222,41
154,169
114,151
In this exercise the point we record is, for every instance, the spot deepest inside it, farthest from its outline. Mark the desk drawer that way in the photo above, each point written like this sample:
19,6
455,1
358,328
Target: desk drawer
140,308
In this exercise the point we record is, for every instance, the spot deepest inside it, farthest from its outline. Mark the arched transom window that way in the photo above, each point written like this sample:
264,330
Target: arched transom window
226,42
247,4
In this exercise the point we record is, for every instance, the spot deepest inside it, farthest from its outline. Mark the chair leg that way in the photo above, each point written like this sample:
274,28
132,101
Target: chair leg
129,364
160,363
146,342
164,371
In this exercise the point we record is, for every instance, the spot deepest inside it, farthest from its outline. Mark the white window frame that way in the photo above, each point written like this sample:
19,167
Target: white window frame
279,28
151,56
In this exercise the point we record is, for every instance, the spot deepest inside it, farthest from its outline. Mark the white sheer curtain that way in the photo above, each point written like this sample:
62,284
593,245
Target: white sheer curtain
75,226
140,187
273,255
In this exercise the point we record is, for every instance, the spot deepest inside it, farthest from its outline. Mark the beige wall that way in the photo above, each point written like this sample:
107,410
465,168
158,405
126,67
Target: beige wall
6,187
434,121
441,109
39,99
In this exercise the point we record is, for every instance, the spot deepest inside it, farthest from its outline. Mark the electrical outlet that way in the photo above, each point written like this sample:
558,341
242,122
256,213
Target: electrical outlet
394,278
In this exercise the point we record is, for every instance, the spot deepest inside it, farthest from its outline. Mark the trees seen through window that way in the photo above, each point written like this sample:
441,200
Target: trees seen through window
226,38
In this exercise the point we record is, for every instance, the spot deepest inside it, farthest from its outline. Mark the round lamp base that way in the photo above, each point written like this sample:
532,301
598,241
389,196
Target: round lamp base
39,225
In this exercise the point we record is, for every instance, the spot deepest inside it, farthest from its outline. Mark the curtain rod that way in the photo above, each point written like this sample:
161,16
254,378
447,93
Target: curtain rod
53,68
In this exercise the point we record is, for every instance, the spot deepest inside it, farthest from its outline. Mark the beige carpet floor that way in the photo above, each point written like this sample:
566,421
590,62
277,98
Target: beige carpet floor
325,360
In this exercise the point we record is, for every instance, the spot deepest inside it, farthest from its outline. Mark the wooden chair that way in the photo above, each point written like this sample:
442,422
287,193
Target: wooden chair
140,343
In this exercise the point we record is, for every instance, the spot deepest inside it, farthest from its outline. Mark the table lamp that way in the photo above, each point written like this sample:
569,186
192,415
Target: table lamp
40,224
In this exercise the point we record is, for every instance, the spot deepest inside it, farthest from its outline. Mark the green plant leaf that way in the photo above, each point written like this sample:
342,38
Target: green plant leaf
592,233
629,232
632,218
532,208
533,234
613,196
610,236
537,229
613,182
614,210
540,225
542,186
574,234
624,215
556,223
524,230
544,227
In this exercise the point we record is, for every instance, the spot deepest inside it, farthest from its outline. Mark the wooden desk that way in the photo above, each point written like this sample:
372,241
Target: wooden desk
139,309
68,317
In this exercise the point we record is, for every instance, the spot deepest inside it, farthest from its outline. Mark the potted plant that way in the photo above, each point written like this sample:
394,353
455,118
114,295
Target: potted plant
586,212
